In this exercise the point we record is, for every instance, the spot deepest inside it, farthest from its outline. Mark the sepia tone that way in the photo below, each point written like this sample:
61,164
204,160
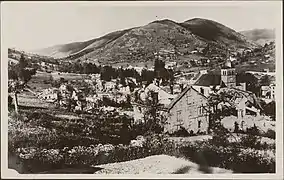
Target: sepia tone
165,97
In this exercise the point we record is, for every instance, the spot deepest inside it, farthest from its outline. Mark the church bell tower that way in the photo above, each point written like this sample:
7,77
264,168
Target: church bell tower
228,74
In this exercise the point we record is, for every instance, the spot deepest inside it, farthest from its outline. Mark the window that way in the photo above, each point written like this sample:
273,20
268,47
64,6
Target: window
179,118
189,123
200,110
201,90
188,108
199,124
188,99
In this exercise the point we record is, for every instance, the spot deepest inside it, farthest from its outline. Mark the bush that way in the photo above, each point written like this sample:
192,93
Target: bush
43,130
237,159
182,132
253,130
44,159
204,153
251,141
270,134
10,100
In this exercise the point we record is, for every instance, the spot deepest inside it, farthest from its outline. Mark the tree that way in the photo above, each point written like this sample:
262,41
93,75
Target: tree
250,80
19,75
220,133
82,98
265,80
270,110
147,76
152,117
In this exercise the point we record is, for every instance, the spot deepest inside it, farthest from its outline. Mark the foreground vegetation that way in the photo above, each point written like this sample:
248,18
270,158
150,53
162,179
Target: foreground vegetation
44,142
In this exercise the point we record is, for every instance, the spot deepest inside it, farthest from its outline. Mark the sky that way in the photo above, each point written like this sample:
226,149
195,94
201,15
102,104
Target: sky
35,25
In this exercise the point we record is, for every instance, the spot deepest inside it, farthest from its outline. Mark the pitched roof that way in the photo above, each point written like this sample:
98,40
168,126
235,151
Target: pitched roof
171,105
209,80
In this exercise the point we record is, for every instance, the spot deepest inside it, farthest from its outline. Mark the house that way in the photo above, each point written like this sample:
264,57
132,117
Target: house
109,85
164,98
125,90
188,110
244,102
139,69
49,95
268,92
161,96
170,65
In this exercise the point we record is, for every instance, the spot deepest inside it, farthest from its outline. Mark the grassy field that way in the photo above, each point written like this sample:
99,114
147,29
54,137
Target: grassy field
41,80
37,82
28,100
257,67
68,76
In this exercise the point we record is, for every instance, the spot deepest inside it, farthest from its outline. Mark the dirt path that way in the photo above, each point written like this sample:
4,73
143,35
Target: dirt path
158,164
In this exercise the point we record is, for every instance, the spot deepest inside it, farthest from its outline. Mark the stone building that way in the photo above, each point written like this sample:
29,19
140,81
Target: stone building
228,75
189,110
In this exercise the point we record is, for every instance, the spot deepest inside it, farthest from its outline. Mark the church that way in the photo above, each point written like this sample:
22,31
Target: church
189,110
225,81
211,82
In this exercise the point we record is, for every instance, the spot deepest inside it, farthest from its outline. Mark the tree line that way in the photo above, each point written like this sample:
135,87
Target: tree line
108,72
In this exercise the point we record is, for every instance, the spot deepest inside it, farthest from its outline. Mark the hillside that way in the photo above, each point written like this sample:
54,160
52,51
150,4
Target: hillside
218,33
141,43
63,50
261,36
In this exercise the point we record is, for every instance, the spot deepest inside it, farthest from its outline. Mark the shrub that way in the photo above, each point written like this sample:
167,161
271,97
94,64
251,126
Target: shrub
270,134
239,160
10,100
251,141
253,130
182,132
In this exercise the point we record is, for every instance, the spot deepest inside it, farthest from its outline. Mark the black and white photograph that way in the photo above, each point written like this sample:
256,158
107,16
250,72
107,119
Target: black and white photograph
141,88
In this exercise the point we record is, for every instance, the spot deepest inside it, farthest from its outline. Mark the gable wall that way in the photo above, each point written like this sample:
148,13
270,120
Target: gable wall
190,113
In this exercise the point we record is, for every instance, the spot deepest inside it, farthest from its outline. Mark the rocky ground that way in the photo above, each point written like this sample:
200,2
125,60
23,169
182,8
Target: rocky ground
158,164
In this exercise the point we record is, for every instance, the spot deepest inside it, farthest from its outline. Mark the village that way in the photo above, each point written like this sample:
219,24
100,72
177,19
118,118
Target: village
92,108
183,101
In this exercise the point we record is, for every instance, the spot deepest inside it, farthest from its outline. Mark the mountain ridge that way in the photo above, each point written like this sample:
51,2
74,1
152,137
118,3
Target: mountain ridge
140,43
260,36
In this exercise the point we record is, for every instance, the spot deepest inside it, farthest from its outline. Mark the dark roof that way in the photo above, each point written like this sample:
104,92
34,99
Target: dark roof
171,105
209,80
